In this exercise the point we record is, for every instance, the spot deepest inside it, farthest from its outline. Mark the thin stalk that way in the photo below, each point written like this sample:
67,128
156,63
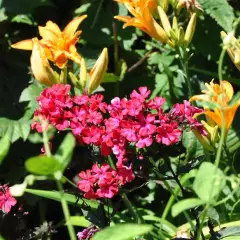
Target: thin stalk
45,140
220,64
69,181
131,209
183,57
66,211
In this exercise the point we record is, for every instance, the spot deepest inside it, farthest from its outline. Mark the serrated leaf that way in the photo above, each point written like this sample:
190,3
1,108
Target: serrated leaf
185,204
15,129
5,145
122,232
209,182
221,11
65,151
42,165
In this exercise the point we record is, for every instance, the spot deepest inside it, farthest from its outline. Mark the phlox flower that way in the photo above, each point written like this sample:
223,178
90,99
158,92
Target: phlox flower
7,201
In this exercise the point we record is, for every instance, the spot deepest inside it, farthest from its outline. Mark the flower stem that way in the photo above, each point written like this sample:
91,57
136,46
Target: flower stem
66,211
220,64
131,209
183,57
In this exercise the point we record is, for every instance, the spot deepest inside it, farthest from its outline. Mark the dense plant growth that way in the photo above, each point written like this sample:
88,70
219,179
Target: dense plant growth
124,129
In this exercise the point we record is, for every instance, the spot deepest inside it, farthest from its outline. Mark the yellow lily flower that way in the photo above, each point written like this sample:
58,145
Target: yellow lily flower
221,94
143,18
40,66
59,46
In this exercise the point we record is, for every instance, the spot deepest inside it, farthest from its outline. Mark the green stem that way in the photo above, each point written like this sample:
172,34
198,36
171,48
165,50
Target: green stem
131,209
183,56
45,139
69,181
66,211
220,64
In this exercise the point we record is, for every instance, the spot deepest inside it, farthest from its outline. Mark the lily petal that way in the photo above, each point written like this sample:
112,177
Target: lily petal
23,45
72,27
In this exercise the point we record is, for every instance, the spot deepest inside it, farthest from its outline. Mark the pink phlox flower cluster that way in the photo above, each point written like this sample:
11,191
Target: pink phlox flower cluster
87,233
7,201
115,128
103,181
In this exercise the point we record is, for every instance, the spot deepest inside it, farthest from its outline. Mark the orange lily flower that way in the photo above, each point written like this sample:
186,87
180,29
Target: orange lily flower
221,94
143,18
59,46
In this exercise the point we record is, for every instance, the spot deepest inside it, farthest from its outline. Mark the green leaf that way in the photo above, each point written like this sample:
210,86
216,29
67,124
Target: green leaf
110,77
229,231
221,11
65,151
70,198
23,18
42,165
209,182
15,129
185,204
80,221
122,232
5,145
82,9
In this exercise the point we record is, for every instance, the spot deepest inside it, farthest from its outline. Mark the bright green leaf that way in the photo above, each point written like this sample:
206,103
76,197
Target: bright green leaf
209,181
185,204
110,77
65,151
80,221
42,165
5,145
122,232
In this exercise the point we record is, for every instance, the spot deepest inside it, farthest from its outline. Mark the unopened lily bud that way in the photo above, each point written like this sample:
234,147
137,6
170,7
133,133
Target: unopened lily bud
213,135
180,5
164,4
164,20
232,45
190,29
97,72
83,74
181,36
203,140
40,66
175,24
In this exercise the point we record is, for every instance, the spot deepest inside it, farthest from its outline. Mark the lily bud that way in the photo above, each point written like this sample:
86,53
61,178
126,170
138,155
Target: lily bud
83,74
204,140
97,72
40,66
164,20
181,36
232,45
190,29
164,4
213,135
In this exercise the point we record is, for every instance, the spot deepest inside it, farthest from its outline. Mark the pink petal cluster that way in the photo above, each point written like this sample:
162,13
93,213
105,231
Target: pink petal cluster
7,201
87,233
115,128
103,181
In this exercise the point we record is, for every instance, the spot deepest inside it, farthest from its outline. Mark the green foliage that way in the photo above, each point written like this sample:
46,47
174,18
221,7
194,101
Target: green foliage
79,221
209,182
221,11
123,232
42,165
5,145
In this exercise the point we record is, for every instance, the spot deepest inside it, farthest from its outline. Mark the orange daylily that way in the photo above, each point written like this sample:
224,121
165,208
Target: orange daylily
143,18
221,94
59,46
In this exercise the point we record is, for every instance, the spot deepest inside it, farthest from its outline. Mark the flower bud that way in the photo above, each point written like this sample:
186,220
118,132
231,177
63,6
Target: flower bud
83,74
190,30
164,20
98,70
40,66
164,4
204,140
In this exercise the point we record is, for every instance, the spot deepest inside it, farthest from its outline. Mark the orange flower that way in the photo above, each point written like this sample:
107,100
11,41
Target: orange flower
220,94
59,46
142,18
